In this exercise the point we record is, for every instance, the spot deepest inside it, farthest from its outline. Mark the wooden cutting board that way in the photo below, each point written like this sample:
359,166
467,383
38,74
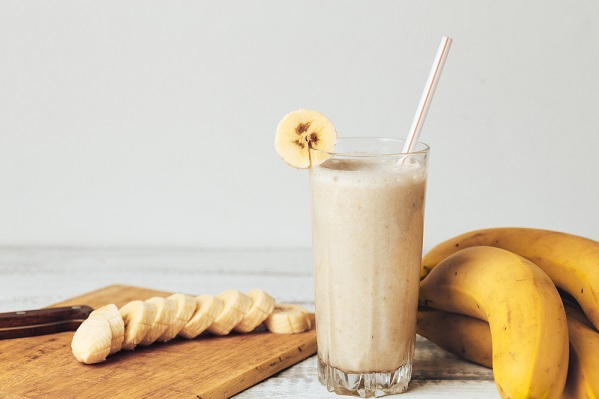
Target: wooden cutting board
204,368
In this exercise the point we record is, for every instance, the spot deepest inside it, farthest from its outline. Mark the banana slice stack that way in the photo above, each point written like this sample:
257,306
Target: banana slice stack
110,329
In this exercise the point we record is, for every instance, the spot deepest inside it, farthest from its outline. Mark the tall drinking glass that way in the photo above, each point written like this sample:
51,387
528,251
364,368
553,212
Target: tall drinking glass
367,227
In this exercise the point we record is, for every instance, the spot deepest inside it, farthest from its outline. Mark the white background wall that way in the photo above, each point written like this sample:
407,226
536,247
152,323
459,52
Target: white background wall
152,123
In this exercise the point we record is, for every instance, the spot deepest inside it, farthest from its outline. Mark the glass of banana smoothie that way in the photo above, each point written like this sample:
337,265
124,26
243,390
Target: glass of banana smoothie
367,226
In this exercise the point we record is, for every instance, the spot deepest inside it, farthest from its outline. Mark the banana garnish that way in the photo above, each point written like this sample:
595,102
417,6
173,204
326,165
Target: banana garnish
300,131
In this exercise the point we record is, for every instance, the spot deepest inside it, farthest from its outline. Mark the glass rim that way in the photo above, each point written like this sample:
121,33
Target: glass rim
425,150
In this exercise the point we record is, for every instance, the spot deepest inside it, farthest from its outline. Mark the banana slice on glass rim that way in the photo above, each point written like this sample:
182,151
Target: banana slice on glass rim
300,131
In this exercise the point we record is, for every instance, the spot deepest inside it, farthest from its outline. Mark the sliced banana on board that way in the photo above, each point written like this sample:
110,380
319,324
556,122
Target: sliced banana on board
262,306
301,130
109,329
236,307
288,319
186,306
208,309
91,342
138,317
117,325
165,316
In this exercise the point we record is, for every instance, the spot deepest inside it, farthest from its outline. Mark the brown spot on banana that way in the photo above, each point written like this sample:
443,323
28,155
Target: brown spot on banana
299,143
303,127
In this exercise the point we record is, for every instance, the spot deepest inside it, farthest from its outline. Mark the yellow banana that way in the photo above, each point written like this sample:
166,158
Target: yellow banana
572,262
470,338
464,336
524,311
583,372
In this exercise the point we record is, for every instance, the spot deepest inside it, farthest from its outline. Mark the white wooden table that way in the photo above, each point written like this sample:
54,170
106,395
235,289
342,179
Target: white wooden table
36,277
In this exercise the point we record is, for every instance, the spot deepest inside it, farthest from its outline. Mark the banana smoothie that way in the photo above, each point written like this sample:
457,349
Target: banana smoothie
367,221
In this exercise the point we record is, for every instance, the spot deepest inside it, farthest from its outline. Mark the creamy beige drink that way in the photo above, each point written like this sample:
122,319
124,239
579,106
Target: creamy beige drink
367,215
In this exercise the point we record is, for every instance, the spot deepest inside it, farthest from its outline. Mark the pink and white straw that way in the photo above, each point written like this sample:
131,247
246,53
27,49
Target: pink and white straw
427,95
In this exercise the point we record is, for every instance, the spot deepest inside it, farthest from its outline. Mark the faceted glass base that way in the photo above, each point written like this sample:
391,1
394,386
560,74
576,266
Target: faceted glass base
364,384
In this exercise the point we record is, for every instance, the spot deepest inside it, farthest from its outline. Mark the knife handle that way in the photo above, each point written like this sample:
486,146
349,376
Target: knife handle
27,323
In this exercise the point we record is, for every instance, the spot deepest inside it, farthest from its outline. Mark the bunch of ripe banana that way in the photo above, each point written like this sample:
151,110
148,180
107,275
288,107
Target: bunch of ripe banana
109,329
490,297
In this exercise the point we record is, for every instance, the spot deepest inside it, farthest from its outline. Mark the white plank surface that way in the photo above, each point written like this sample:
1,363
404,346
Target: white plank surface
36,277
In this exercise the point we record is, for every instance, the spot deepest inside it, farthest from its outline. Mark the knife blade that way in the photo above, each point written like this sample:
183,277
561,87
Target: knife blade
28,323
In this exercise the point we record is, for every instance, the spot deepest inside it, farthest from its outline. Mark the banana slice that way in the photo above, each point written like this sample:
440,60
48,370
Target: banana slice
117,325
262,306
236,307
91,342
138,317
208,309
165,315
288,319
186,305
301,130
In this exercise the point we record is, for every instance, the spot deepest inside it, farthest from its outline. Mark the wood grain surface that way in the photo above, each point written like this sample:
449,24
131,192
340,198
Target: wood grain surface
33,277
204,368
